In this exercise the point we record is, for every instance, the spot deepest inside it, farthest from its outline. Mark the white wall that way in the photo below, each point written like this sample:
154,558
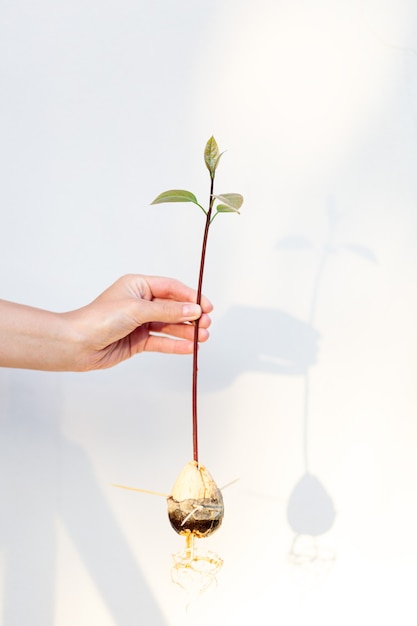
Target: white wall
311,364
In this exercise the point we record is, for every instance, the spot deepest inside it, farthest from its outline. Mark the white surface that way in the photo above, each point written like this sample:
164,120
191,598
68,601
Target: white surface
103,106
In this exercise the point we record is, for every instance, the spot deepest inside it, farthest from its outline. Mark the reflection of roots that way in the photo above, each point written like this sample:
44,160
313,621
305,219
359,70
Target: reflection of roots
195,572
313,561
307,549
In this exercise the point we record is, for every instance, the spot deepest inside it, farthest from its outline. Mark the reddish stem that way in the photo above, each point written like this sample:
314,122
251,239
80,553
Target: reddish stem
197,323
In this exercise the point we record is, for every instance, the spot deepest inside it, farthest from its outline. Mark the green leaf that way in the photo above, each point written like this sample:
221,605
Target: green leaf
224,208
211,156
232,200
175,195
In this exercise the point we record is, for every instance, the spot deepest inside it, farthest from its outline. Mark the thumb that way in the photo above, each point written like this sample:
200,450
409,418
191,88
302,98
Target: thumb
167,311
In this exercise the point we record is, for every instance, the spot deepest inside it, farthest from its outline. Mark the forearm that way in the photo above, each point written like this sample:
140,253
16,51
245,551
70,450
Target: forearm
33,338
135,314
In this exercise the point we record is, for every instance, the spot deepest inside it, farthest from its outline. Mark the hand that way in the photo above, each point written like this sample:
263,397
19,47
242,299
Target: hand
137,314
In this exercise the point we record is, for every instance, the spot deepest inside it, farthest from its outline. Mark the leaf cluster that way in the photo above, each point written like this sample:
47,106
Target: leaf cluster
220,203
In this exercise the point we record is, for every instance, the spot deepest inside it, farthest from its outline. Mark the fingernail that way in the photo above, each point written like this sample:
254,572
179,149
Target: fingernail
191,311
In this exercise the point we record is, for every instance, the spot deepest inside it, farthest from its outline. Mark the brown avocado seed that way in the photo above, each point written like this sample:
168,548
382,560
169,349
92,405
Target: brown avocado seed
196,503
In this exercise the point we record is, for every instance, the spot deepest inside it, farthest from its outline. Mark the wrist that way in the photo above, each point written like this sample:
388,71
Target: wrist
32,338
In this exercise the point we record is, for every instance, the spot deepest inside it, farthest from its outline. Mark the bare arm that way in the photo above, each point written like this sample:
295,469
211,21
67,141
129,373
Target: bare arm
137,313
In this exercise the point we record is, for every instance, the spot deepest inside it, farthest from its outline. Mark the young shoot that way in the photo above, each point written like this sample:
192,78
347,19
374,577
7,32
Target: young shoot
217,203
195,505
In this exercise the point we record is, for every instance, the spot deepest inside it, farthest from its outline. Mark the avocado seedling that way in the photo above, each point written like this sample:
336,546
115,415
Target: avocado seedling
195,505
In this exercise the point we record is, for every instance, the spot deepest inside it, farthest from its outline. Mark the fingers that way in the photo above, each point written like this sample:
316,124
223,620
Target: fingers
172,289
166,345
161,327
175,338
153,288
166,311
180,331
149,313
158,289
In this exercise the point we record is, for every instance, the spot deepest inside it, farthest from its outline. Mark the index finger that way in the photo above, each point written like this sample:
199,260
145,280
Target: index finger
173,289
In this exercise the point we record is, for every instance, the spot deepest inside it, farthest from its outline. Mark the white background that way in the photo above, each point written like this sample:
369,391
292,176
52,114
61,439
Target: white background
311,365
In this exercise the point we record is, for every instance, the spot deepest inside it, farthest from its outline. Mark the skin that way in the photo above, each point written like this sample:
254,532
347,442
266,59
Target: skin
136,314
